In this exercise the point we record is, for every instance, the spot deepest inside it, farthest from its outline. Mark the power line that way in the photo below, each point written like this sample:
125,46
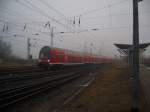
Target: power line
55,10
12,12
7,12
38,10
13,22
84,30
119,14
21,27
99,9
21,36
20,14
45,33
52,8
104,28
87,30
112,28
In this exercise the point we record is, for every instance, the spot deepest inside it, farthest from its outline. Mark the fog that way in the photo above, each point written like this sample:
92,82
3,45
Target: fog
30,19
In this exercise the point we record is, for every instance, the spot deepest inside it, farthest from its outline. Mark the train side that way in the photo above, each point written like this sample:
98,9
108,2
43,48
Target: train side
56,56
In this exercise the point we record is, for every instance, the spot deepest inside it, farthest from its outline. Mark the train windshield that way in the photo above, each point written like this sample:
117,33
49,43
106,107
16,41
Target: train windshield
45,53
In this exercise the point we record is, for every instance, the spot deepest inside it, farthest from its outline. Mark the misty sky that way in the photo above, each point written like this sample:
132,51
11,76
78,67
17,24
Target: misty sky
113,18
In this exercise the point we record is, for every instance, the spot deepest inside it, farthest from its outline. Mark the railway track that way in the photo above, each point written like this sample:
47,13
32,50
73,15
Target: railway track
17,69
15,89
15,74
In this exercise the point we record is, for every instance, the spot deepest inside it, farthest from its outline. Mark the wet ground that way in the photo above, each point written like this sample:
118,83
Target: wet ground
109,92
145,82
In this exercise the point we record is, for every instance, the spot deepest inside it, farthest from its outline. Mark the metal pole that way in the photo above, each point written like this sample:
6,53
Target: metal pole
52,36
28,48
91,48
136,81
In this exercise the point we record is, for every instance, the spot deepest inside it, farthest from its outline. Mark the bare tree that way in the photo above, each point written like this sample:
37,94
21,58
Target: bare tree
5,50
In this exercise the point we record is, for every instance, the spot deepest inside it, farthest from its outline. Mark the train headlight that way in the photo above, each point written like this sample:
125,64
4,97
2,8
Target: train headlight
48,60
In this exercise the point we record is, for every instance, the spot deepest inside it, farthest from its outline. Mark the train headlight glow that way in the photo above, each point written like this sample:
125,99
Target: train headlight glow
48,60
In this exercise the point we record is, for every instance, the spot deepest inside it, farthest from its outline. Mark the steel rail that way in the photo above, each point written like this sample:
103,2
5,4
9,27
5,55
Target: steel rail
15,96
16,90
25,83
33,74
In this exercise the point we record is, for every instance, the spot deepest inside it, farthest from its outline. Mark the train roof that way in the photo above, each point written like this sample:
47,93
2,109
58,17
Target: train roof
69,51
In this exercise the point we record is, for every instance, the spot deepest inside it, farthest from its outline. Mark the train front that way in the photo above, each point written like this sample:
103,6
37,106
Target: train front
44,57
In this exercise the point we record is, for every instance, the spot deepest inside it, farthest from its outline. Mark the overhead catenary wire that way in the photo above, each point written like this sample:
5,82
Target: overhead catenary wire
20,36
37,23
38,10
31,22
22,26
102,8
8,35
55,10
112,28
83,30
52,8
105,28
95,10
33,6
8,12
58,12
16,13
114,15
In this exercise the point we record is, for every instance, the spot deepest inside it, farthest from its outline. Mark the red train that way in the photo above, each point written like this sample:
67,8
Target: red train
55,56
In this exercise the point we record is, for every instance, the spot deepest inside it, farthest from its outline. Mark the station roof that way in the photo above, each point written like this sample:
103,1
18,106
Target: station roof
127,46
